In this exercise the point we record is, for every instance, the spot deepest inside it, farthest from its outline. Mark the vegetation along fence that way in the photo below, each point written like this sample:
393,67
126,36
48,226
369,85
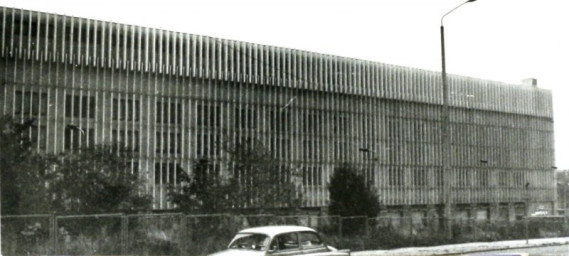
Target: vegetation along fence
181,234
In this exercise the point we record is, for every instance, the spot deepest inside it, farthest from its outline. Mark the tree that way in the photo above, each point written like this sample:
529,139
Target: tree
21,179
258,179
350,195
251,181
96,179
202,192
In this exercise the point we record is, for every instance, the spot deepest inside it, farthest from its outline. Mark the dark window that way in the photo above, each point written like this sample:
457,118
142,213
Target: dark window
284,174
74,34
175,146
116,111
167,173
245,118
395,177
205,145
370,176
97,36
39,136
439,178
311,150
158,146
310,240
518,179
419,177
311,123
340,125
128,139
482,178
126,109
340,150
418,130
209,115
92,106
69,106
71,139
76,137
168,143
394,129
308,150
25,27
287,241
463,178
80,106
168,112
503,178
31,103
312,176
134,165
279,120
133,140
280,148
158,174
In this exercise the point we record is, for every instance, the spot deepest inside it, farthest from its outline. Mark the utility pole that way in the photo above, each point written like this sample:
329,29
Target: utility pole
565,184
445,138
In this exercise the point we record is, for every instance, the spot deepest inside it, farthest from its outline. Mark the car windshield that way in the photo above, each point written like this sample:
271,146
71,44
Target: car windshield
247,241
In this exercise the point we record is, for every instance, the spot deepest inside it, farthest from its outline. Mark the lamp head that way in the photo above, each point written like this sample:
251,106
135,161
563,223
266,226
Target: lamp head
470,1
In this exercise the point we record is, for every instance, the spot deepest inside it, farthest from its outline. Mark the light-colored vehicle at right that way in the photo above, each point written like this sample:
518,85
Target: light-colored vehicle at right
279,240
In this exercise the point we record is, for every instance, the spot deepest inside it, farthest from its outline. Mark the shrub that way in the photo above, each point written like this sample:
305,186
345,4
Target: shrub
351,196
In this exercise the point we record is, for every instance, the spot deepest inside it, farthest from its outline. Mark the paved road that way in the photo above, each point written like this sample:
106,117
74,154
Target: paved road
559,250
545,246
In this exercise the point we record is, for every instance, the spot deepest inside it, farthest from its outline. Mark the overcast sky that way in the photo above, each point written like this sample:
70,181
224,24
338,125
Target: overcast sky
503,40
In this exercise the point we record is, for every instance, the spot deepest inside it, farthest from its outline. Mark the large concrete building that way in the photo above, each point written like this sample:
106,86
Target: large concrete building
171,96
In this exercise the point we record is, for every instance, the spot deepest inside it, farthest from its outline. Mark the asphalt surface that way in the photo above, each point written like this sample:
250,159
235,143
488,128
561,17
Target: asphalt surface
558,250
479,248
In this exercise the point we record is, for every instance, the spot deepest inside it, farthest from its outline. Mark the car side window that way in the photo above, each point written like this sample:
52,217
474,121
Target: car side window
285,242
310,240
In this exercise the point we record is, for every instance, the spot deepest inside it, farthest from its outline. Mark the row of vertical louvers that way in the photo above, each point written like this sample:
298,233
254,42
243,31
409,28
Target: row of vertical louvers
172,97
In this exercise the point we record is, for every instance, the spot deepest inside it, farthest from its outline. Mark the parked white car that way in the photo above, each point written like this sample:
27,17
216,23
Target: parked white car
279,240
540,213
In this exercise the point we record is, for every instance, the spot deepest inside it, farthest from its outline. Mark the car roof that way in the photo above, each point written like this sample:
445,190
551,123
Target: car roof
275,230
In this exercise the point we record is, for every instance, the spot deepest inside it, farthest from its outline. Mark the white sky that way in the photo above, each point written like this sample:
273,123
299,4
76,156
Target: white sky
503,40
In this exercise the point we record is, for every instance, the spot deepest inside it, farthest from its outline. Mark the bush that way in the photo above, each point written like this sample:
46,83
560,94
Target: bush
351,196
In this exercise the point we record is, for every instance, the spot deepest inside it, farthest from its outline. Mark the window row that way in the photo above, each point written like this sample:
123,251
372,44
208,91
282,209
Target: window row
127,138
80,106
463,178
31,103
210,115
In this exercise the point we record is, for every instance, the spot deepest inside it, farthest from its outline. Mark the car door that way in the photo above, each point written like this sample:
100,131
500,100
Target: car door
285,244
311,243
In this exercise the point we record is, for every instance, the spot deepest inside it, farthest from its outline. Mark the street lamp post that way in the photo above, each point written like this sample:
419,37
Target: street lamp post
565,184
448,175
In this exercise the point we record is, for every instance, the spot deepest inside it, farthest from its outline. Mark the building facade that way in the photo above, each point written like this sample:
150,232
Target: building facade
171,97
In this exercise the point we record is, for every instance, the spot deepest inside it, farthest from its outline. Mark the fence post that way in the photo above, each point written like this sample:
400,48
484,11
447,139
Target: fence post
183,234
124,234
474,228
340,227
366,219
55,235
410,218
527,229
52,233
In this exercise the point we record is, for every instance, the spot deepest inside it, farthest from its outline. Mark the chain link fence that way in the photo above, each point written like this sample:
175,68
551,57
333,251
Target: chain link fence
181,234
